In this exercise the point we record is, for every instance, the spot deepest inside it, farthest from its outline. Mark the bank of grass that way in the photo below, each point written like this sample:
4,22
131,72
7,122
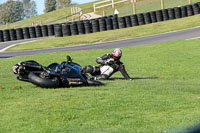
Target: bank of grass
125,33
164,97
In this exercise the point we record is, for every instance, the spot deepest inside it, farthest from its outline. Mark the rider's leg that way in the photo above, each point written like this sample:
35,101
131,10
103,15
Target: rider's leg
93,70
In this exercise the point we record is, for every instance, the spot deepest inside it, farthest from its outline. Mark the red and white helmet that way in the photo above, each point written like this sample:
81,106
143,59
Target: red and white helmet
117,53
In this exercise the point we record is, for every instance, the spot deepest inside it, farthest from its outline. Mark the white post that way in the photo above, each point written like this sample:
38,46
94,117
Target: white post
162,4
94,8
134,8
113,4
189,1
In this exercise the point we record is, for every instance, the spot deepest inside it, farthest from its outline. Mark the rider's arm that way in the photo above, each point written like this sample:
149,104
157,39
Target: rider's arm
102,60
123,72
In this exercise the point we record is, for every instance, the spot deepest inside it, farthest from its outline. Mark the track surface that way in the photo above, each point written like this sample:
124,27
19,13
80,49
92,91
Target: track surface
158,38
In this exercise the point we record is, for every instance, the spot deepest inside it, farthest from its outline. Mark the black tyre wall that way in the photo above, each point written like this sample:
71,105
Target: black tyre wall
38,31
128,21
88,26
66,29
51,30
74,29
196,8
189,10
122,22
140,19
165,14
153,16
171,13
159,15
177,11
26,33
102,24
44,30
1,36
12,34
95,25
19,33
81,28
115,22
58,30
147,18
134,20
6,35
32,32
184,11
109,23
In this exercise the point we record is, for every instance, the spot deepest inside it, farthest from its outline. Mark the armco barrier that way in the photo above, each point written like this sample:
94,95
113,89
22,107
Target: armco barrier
100,24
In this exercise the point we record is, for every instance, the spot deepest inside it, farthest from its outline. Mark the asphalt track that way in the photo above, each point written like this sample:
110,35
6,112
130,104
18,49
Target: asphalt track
146,40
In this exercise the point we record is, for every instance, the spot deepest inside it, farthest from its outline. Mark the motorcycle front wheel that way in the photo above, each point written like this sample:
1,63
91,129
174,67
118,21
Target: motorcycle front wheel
36,79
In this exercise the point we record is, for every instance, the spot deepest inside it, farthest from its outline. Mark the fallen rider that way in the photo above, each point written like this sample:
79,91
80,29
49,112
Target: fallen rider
109,64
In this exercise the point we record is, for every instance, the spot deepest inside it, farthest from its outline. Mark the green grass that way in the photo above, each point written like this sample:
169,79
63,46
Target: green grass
132,32
168,103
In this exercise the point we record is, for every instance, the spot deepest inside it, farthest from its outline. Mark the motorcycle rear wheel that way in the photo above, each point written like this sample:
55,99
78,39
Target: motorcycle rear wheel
36,79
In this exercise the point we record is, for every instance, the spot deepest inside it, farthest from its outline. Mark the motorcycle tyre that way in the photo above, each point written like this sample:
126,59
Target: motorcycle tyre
34,78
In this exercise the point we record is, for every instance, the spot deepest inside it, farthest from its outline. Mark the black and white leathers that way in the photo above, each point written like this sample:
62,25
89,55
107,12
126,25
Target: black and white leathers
108,66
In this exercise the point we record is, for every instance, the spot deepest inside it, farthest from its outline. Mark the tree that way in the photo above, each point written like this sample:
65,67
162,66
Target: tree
63,3
11,11
50,5
29,8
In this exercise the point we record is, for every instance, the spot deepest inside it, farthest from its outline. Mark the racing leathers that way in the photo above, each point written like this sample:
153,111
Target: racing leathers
108,66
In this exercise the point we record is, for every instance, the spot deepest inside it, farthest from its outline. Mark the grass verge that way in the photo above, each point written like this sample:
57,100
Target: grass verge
126,33
167,103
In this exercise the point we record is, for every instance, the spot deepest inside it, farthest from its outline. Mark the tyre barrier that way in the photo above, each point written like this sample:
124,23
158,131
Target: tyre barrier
100,24
128,21
13,36
32,32
109,23
26,33
153,16
44,31
171,13
122,22
159,15
147,18
177,11
66,29
189,10
183,11
38,31
1,36
58,30
74,28
115,22
87,26
134,20
6,35
51,30
140,19
81,28
19,33
95,26
165,14
196,8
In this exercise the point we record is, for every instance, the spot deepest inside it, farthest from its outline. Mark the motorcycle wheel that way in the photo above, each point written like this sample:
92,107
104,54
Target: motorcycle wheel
34,78
94,83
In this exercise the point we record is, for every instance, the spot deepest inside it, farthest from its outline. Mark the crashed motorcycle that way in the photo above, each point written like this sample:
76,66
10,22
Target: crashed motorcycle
66,74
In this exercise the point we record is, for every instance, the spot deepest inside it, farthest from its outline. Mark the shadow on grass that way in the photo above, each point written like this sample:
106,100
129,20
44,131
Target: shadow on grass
135,78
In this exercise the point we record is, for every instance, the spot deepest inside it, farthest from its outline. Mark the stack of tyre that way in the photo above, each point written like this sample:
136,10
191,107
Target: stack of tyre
100,24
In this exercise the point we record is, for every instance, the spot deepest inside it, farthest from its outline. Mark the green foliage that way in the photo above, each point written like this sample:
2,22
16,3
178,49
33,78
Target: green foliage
11,11
164,97
63,3
50,5
29,8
